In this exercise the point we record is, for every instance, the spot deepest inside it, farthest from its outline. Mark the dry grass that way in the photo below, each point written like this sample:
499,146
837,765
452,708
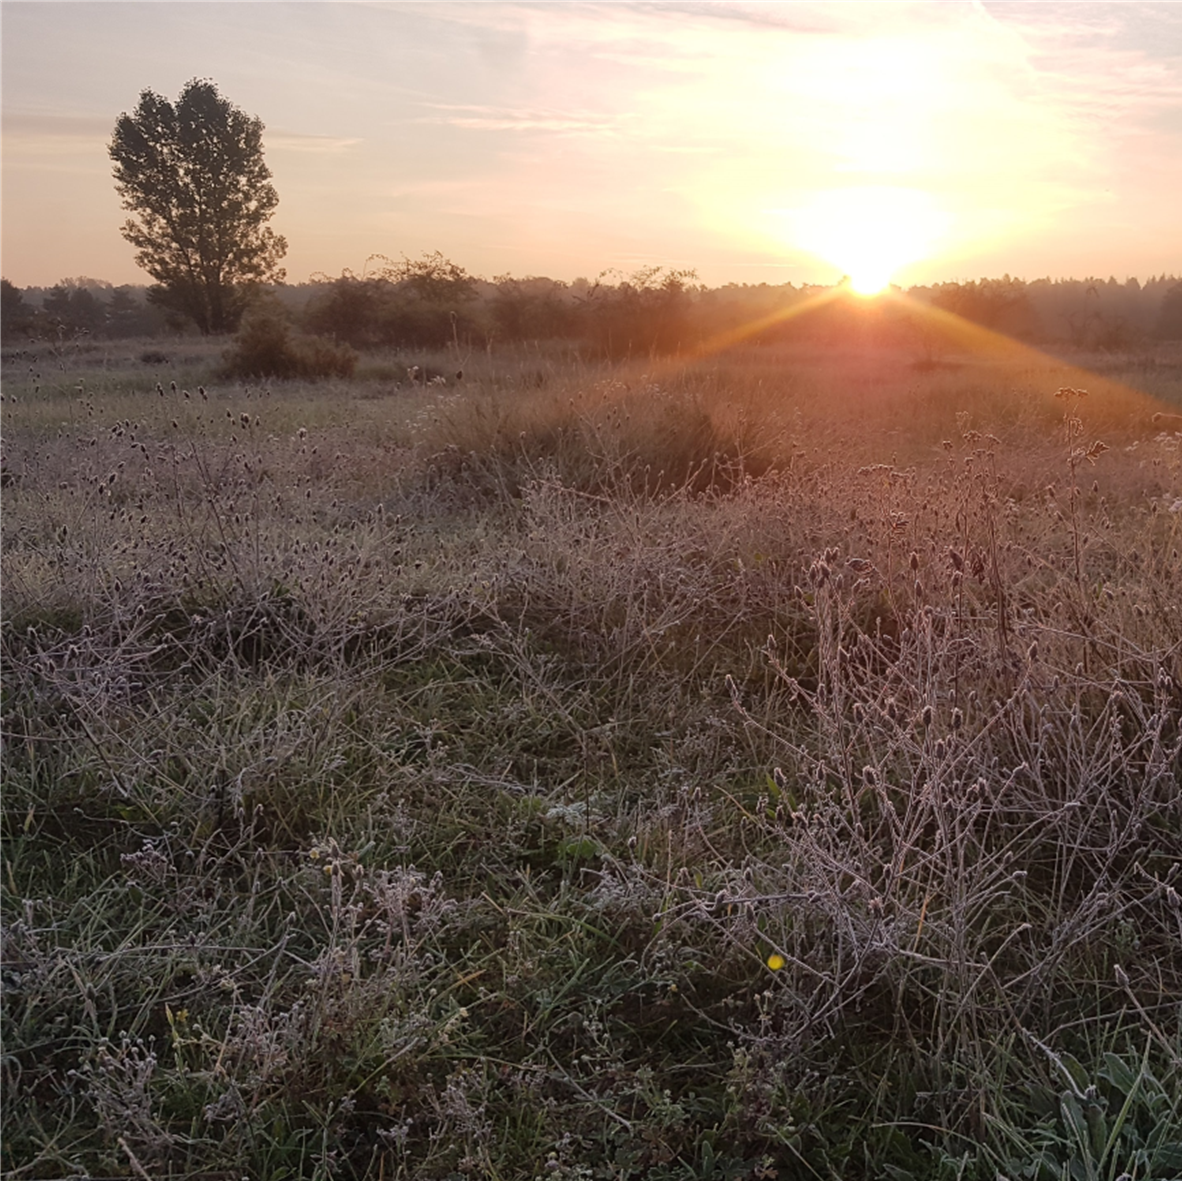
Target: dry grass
418,780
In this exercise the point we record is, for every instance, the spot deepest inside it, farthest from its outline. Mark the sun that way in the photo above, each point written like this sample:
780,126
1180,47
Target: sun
869,280
870,231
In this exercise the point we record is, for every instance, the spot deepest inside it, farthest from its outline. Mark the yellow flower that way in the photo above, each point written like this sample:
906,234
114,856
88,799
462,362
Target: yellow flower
775,962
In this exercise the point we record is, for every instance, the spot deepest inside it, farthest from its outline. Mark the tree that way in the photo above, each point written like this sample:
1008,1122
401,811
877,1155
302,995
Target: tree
128,314
532,309
15,315
1169,320
194,177
352,310
72,306
413,303
645,314
999,304
432,279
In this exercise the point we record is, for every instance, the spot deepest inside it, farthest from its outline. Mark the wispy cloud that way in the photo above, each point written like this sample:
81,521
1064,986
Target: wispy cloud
329,145
492,118
46,126
55,144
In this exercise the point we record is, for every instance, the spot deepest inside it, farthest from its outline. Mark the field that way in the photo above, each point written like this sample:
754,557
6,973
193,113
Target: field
760,766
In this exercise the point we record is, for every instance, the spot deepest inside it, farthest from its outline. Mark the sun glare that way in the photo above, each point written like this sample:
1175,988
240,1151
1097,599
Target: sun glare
870,232
869,281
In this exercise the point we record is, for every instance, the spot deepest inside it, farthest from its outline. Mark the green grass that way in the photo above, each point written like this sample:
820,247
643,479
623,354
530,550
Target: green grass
414,781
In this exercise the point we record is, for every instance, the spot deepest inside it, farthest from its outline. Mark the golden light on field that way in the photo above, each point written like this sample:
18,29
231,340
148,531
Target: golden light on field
869,231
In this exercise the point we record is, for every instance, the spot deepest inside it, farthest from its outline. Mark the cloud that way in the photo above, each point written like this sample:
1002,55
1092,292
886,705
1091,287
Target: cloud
56,144
328,145
44,124
795,18
490,118
47,127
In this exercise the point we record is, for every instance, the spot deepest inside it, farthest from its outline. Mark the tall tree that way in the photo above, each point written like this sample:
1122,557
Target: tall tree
194,177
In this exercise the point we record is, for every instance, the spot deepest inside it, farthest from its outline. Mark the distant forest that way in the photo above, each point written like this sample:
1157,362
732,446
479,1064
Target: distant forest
431,302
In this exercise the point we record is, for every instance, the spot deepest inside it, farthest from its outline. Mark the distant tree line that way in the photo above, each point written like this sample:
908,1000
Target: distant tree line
432,302
1100,314
76,308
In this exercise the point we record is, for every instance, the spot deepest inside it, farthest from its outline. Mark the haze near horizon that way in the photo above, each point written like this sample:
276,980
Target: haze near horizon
909,143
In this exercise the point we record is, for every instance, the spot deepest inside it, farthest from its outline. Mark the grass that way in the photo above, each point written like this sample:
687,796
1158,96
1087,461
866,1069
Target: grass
418,780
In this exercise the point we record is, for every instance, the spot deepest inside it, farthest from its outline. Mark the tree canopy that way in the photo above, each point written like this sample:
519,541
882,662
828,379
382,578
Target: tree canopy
194,178
15,314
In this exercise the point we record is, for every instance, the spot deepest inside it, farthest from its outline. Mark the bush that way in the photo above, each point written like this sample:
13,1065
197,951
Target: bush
351,310
266,346
645,315
408,304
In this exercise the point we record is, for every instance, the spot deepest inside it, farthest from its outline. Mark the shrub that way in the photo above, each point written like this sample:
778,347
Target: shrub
351,310
266,346
409,304
644,315
533,309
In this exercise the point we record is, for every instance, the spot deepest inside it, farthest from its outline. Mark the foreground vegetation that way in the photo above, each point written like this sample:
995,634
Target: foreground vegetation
760,767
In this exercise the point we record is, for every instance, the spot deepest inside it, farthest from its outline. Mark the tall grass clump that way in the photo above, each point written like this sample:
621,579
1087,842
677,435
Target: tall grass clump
651,773
266,346
604,434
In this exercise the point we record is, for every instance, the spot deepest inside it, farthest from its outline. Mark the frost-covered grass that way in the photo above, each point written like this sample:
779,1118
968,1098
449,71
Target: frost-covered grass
761,767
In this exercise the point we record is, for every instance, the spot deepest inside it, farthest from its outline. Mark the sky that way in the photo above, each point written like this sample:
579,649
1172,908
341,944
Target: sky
776,142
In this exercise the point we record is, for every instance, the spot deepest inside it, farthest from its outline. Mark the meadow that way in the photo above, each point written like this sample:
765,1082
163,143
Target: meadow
765,765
